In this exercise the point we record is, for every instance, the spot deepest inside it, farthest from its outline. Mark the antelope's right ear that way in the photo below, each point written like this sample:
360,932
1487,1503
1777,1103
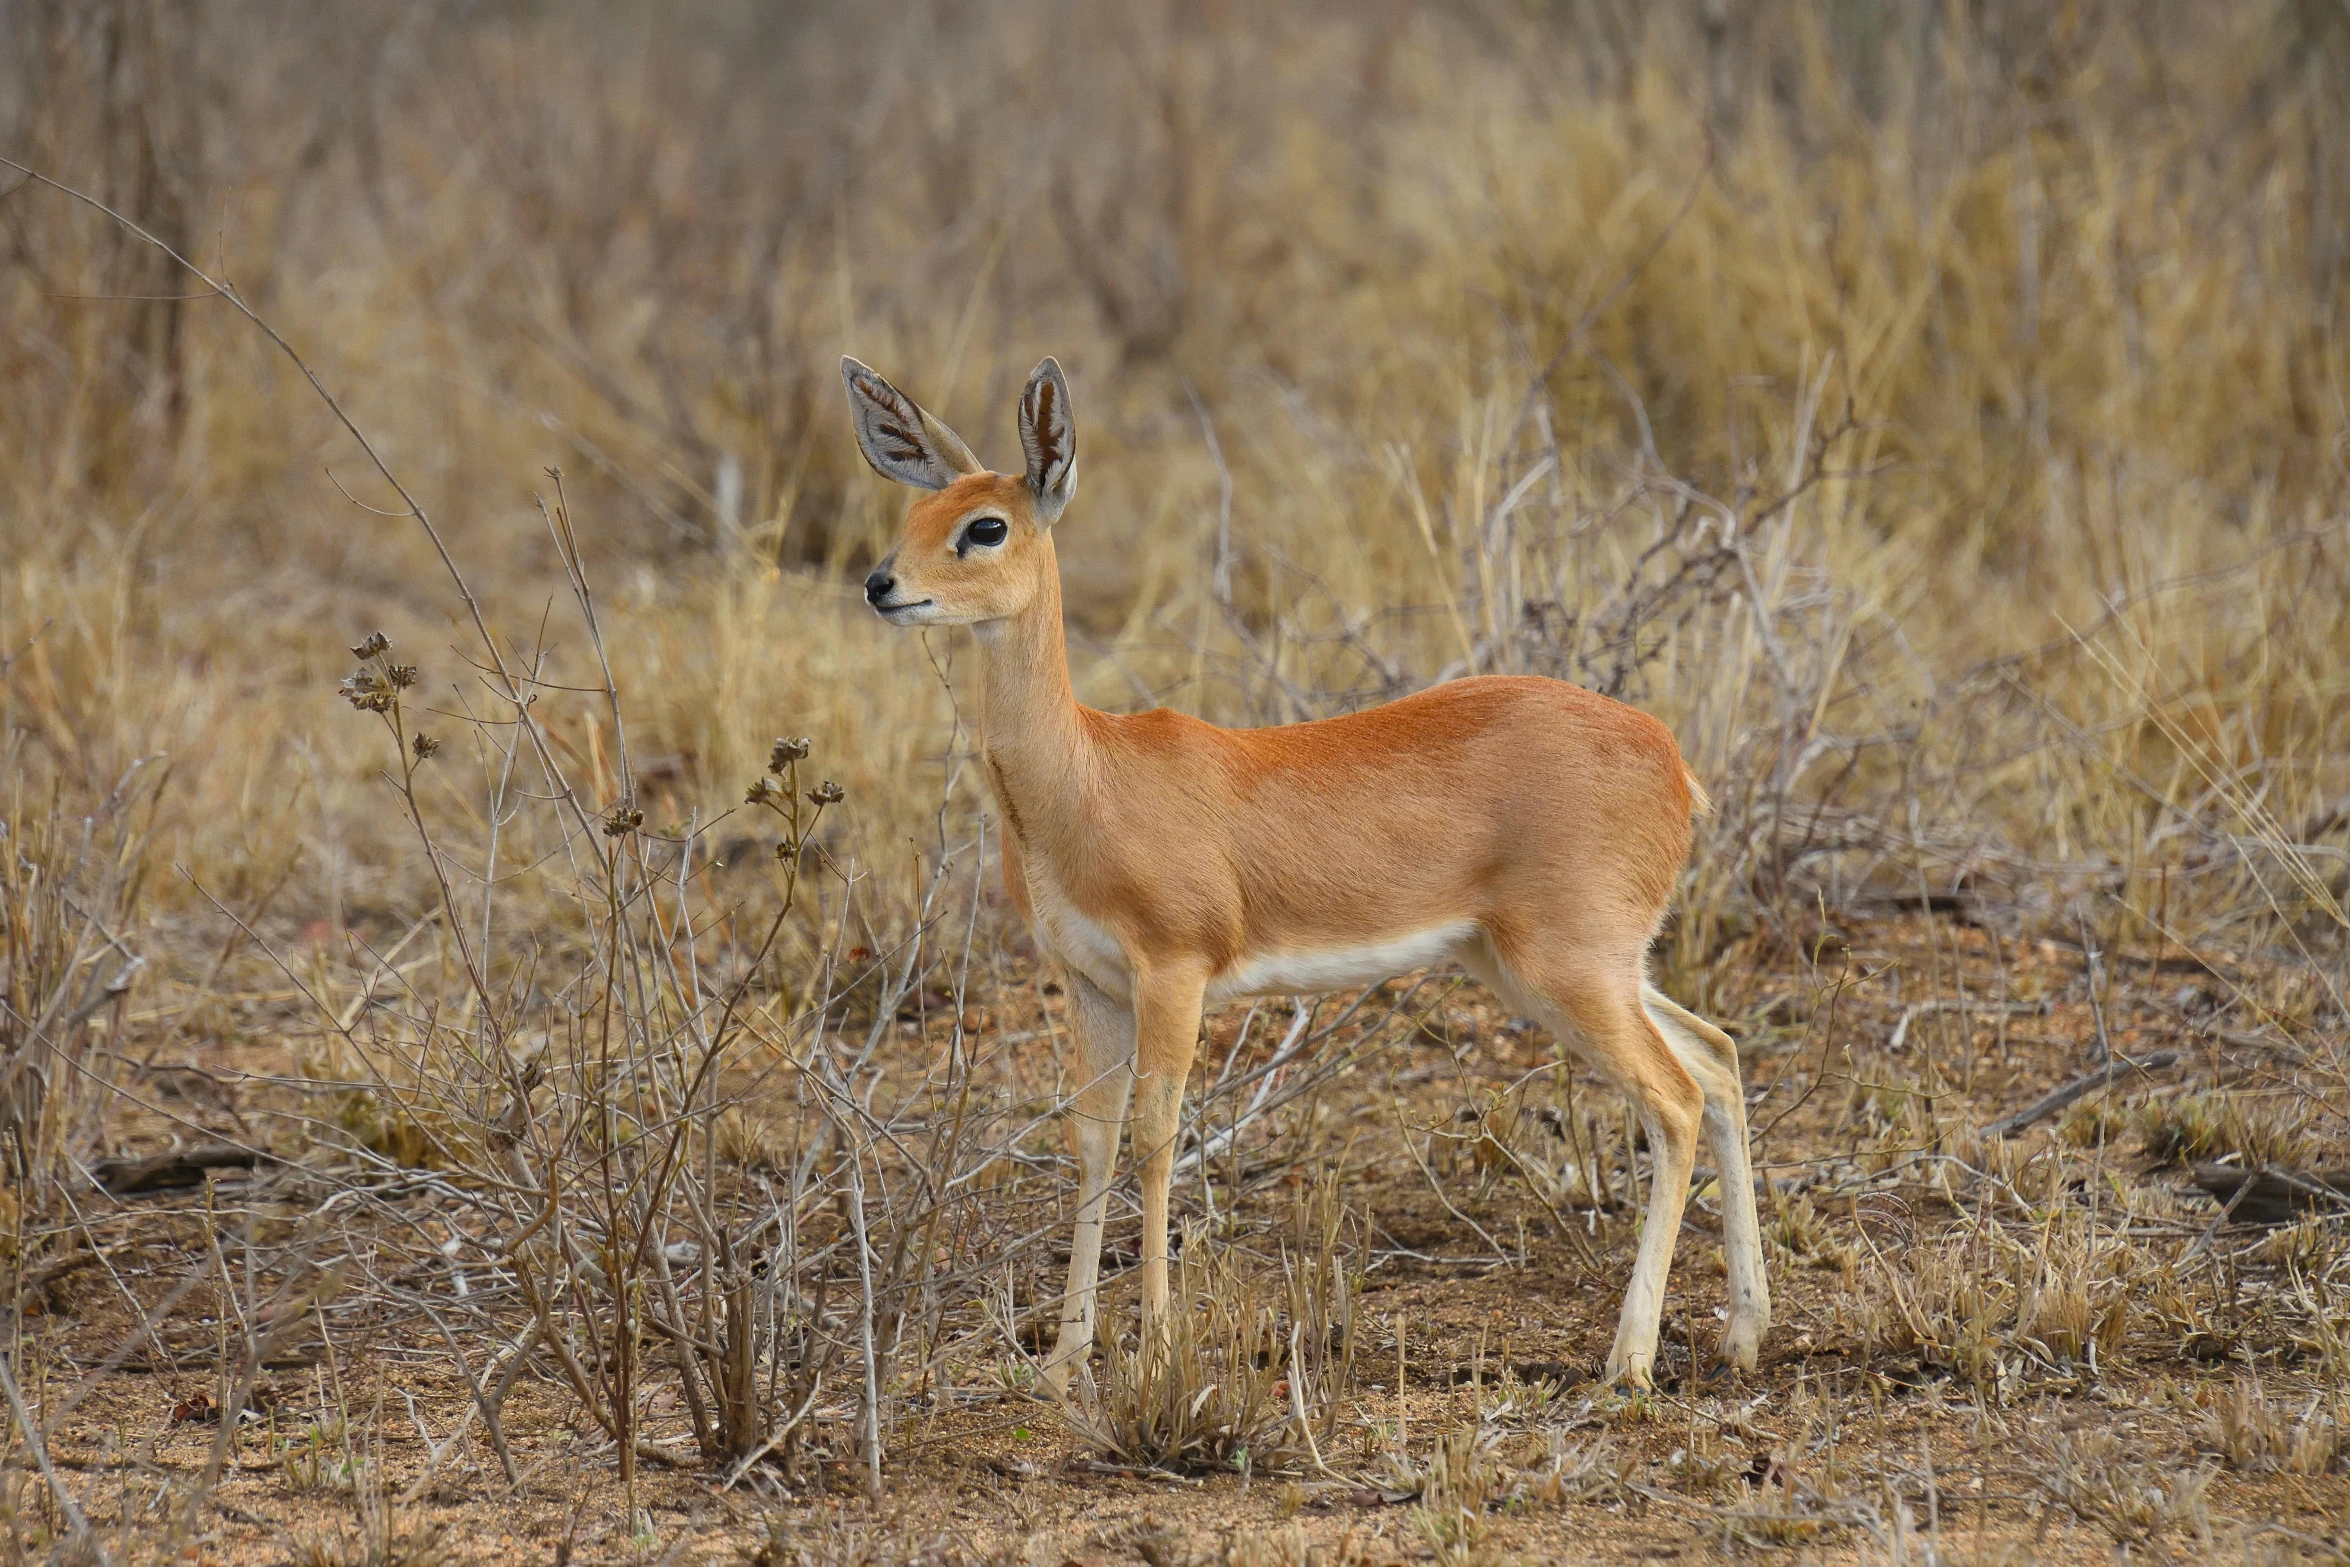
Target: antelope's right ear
1050,440
900,439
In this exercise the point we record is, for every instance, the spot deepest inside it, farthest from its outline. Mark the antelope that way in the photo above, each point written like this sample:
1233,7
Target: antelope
1527,829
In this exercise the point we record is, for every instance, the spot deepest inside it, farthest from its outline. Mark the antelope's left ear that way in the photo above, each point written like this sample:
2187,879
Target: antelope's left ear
1049,438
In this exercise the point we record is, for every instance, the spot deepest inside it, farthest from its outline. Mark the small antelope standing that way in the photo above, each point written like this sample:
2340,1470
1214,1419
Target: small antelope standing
1526,829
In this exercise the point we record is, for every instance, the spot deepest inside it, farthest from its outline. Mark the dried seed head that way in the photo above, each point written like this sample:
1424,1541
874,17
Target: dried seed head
402,676
373,643
827,793
365,690
788,750
622,820
425,747
762,792
785,851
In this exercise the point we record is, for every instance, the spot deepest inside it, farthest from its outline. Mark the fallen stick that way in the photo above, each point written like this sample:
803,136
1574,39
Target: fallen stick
182,1167
2089,1082
2271,1195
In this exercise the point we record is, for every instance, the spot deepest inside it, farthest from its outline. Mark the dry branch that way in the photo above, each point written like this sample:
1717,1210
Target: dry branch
2087,1083
177,1168
2270,1196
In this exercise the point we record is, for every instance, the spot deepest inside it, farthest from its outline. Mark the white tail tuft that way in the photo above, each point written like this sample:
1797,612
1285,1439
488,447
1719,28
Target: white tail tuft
1700,803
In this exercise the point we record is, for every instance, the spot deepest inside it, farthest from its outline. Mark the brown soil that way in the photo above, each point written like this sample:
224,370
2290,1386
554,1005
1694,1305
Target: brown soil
976,1471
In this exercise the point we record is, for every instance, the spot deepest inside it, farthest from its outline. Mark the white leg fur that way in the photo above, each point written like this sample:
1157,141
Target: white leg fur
1710,1056
1105,1077
1672,1154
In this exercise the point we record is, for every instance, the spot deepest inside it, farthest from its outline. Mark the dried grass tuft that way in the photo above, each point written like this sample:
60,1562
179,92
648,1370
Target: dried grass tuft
71,887
2252,1435
2134,1497
1251,1373
2254,1130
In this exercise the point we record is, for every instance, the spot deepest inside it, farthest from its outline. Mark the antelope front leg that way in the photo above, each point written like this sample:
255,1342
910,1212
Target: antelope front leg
1166,1033
1105,1075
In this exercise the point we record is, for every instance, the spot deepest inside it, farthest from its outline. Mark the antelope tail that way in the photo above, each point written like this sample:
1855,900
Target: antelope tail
1700,803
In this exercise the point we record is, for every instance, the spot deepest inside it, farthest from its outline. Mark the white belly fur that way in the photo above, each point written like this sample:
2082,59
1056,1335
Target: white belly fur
1094,951
1340,968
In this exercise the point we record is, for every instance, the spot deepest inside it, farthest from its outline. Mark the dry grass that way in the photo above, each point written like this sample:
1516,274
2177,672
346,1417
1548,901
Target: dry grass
70,890
1937,414
2249,1433
2132,1498
1249,1376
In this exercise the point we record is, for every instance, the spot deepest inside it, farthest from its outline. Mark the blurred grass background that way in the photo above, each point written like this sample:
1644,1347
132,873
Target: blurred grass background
2003,340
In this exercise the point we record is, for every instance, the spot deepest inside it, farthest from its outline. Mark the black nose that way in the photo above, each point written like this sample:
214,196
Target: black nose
878,585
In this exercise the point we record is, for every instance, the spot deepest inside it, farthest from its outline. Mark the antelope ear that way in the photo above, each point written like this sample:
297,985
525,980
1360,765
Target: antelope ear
1050,440
901,440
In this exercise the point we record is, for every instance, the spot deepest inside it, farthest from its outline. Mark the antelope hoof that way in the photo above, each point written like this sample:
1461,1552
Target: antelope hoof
1742,1347
1630,1373
1063,1366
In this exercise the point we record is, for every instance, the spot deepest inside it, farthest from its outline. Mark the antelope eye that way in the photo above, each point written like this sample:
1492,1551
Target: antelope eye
984,531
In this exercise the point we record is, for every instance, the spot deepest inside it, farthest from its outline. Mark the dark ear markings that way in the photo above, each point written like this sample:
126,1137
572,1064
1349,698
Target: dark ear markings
1047,447
896,437
1049,438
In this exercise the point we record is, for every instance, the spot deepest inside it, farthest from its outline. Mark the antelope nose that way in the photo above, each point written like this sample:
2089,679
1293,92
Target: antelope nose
879,584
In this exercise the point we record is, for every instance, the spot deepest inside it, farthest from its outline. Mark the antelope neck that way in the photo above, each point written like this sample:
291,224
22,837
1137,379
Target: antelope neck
1031,727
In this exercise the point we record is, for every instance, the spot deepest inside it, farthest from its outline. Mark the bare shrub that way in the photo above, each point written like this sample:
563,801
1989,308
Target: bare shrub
564,1071
586,1086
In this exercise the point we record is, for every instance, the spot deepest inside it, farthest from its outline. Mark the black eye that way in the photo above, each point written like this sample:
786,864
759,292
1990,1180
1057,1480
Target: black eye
986,530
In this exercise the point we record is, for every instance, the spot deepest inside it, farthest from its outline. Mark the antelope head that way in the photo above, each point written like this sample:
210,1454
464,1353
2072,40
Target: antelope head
977,546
